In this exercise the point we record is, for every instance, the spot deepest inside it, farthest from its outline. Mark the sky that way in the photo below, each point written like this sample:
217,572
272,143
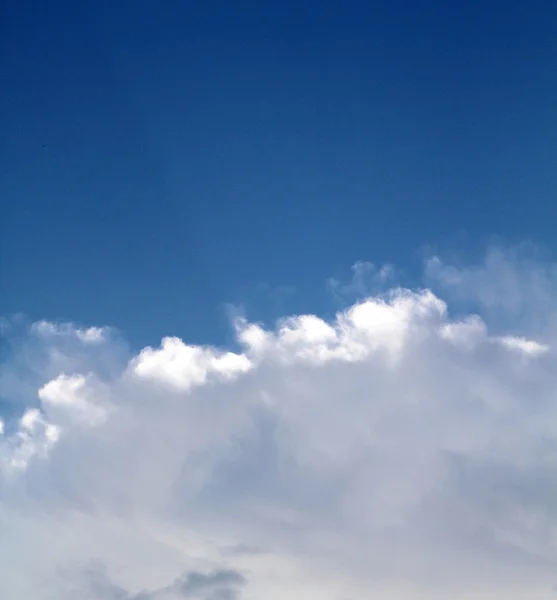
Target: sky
169,159
277,300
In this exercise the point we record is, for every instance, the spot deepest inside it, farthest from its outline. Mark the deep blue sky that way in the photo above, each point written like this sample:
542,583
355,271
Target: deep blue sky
160,158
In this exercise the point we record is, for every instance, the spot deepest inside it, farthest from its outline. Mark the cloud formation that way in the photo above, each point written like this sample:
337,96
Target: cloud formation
396,451
94,582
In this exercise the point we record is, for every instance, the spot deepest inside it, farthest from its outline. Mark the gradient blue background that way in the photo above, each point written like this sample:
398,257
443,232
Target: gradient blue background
161,158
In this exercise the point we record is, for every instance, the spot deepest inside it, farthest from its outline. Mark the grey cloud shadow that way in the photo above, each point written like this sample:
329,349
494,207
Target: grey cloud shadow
94,583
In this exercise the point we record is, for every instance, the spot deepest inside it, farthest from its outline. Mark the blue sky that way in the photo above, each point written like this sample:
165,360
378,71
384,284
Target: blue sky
161,159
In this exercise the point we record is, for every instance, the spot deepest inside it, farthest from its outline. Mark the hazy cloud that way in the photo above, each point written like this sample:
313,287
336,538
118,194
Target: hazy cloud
94,582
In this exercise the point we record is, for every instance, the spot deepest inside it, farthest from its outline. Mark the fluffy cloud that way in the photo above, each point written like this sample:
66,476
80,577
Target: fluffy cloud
396,451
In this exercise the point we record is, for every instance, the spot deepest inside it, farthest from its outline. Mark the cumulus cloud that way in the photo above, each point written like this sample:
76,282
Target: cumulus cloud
395,451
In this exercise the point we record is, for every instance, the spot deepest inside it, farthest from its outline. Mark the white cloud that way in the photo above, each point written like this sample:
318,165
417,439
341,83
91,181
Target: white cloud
89,335
366,279
34,438
521,344
184,366
73,396
393,452
513,288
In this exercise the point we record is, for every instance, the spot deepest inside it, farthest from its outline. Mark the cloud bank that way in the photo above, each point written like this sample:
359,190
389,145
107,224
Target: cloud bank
397,451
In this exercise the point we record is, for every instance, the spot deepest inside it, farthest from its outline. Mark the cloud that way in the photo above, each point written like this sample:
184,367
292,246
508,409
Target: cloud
88,335
400,450
94,583
366,278
218,585
514,288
